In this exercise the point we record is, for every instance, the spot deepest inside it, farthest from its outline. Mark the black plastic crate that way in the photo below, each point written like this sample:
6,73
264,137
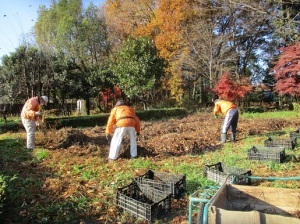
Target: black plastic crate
172,183
288,143
276,154
295,134
219,174
147,206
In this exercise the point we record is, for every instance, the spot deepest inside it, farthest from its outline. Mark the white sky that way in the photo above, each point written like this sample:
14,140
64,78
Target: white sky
17,18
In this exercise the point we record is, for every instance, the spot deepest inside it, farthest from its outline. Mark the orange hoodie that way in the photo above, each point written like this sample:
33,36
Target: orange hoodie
30,108
122,116
222,106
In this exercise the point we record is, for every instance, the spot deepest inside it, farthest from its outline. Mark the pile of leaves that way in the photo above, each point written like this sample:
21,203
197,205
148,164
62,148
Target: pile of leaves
193,134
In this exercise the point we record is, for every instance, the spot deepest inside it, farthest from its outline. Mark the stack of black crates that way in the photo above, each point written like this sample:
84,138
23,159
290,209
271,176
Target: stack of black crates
274,149
150,194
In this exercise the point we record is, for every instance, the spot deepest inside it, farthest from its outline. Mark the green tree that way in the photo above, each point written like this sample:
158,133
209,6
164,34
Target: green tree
82,37
137,67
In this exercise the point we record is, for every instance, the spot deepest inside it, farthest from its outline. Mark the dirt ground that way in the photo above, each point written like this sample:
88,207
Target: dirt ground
193,134
159,140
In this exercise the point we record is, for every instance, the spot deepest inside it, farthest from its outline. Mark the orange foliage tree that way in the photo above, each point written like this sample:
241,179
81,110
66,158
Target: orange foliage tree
229,89
170,17
287,71
162,21
129,17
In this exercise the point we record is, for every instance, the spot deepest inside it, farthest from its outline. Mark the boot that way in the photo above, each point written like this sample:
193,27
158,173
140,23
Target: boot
223,137
233,135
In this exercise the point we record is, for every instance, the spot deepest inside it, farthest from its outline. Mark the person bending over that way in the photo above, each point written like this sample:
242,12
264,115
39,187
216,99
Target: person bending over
122,121
30,114
231,113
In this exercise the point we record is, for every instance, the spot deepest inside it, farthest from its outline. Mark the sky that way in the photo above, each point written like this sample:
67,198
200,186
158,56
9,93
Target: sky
17,18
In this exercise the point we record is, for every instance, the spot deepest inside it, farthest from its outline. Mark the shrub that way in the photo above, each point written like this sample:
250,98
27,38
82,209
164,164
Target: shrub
94,120
296,107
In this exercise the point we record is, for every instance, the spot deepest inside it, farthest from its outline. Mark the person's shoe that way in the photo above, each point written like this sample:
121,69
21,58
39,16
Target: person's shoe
111,160
223,137
233,137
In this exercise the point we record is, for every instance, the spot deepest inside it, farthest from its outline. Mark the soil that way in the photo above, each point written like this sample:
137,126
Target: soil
159,140
193,134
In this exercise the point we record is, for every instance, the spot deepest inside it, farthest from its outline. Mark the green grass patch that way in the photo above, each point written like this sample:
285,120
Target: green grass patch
273,115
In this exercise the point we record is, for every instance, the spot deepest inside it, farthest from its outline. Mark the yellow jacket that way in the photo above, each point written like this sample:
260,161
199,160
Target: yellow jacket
122,116
222,106
30,108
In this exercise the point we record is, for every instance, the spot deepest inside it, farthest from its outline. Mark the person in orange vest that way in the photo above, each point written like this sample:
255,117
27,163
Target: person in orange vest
231,113
122,121
30,114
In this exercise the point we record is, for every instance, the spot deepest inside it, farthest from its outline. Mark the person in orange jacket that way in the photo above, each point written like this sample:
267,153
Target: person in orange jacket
231,113
122,121
30,115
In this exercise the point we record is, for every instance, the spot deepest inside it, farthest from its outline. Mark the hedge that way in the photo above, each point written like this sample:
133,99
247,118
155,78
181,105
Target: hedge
93,120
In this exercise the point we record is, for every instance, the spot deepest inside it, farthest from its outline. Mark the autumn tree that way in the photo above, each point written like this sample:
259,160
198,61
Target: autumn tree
129,17
162,21
225,35
229,89
171,17
287,71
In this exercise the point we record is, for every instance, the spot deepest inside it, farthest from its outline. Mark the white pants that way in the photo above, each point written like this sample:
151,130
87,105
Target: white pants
30,128
116,142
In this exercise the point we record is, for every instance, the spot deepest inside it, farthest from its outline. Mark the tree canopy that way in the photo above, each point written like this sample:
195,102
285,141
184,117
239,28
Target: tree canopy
287,71
160,51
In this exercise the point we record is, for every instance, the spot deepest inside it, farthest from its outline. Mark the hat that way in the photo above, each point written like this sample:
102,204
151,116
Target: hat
120,103
45,98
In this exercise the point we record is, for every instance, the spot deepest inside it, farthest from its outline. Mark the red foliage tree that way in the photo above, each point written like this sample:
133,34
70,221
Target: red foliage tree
231,90
109,96
287,71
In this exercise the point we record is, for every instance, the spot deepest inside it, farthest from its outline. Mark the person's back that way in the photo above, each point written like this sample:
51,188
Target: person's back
122,121
122,116
222,106
30,107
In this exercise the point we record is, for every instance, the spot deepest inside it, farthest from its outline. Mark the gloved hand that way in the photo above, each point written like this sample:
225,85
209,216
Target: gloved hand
38,113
